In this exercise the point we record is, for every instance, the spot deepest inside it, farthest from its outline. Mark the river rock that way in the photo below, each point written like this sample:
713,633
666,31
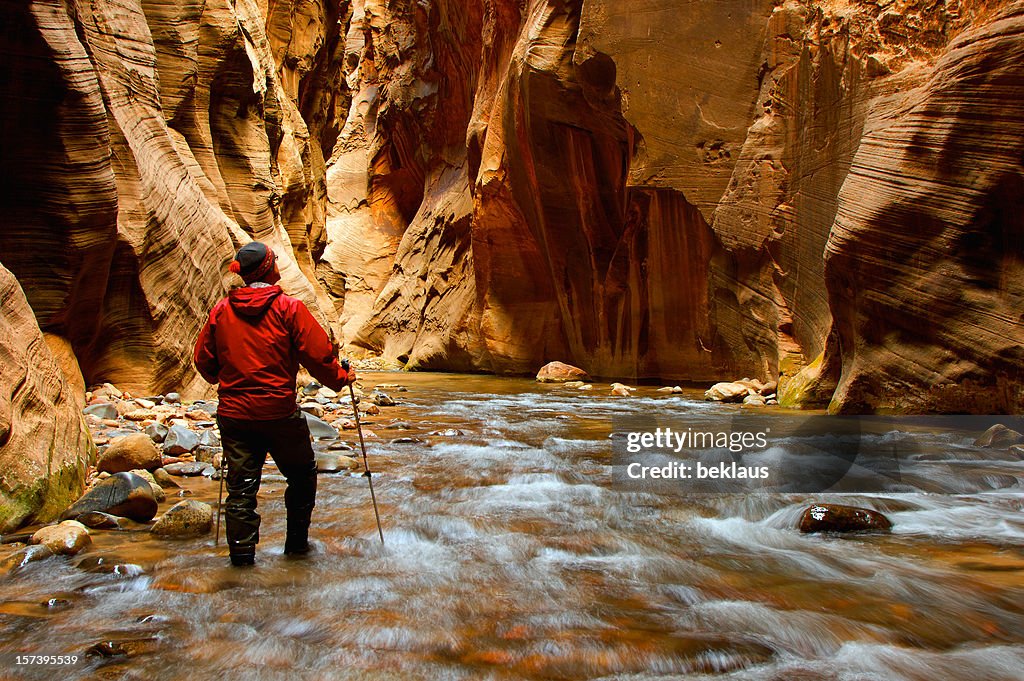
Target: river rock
180,440
313,408
122,494
187,468
158,491
140,415
209,438
573,385
754,400
381,399
372,410
839,518
328,462
726,392
339,446
66,538
164,479
102,410
587,386
23,557
448,432
327,393
172,398
156,432
999,437
189,518
101,521
560,372
129,452
320,429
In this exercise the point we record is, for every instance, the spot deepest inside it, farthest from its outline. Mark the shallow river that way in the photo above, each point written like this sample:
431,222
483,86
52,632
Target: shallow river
511,553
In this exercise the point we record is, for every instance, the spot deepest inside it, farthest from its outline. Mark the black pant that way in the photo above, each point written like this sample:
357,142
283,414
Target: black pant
246,445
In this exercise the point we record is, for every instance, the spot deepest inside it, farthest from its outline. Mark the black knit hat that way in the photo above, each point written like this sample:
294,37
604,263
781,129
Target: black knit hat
253,261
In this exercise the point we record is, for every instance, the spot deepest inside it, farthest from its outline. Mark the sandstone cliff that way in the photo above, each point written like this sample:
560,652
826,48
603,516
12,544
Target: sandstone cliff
665,189
44,444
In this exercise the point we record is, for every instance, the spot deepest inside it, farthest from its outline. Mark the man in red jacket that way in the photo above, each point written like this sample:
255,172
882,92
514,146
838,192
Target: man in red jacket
252,346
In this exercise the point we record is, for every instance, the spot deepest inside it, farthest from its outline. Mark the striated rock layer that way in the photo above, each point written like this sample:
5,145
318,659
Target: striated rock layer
44,443
820,193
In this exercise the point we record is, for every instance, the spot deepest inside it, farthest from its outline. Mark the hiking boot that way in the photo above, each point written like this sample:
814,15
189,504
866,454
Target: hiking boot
296,546
242,559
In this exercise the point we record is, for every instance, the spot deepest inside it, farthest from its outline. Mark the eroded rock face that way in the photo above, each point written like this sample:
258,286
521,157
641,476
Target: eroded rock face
44,444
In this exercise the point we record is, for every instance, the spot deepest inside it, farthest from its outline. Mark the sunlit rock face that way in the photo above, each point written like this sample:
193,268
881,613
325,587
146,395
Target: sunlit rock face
690,191
151,139
44,444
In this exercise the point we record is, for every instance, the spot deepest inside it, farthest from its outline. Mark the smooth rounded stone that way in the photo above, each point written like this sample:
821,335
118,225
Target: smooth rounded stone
184,423
207,454
103,410
98,520
129,452
187,468
180,440
19,559
189,518
172,398
381,399
205,424
312,408
322,401
327,393
144,403
328,462
339,446
158,491
754,400
999,437
574,385
586,387
726,392
408,441
319,428
311,388
209,439
771,402
621,390
372,410
839,518
156,432
122,494
67,538
666,389
164,479
769,389
448,432
398,425
560,372
138,415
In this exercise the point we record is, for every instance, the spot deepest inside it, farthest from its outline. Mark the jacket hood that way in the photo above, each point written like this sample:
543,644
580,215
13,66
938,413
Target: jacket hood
253,302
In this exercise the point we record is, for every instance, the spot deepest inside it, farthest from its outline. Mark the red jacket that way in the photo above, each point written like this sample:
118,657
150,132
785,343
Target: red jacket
252,346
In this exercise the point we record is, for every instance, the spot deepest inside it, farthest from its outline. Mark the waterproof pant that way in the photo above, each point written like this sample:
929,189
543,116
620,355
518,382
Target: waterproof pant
246,445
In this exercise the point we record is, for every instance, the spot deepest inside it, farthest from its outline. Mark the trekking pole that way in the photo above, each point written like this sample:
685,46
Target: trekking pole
366,465
220,498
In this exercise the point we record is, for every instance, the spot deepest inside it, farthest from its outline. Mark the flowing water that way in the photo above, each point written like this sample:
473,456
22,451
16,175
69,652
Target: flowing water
512,554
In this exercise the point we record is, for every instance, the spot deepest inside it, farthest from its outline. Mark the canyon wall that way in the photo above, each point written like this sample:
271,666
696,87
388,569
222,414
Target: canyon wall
657,189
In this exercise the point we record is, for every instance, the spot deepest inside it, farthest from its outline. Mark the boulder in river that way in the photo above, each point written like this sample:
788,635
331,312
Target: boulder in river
381,399
189,518
319,428
329,462
66,538
122,494
23,557
128,453
187,468
180,440
726,392
839,518
999,437
560,372
158,491
164,479
99,520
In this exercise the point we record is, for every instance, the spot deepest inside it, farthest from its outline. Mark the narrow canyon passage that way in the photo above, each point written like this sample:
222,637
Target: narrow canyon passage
511,553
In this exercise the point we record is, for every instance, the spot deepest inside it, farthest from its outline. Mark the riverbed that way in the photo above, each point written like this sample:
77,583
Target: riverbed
511,552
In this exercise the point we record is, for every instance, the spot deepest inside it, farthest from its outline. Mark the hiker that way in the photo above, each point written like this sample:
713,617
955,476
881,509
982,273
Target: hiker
252,346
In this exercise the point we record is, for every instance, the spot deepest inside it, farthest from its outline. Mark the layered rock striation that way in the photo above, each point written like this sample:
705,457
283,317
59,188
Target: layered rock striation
825,193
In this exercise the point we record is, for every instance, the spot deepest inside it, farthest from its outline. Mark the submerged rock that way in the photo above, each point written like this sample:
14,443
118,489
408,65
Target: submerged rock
99,520
129,452
381,399
559,372
839,518
122,494
66,538
21,558
189,518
